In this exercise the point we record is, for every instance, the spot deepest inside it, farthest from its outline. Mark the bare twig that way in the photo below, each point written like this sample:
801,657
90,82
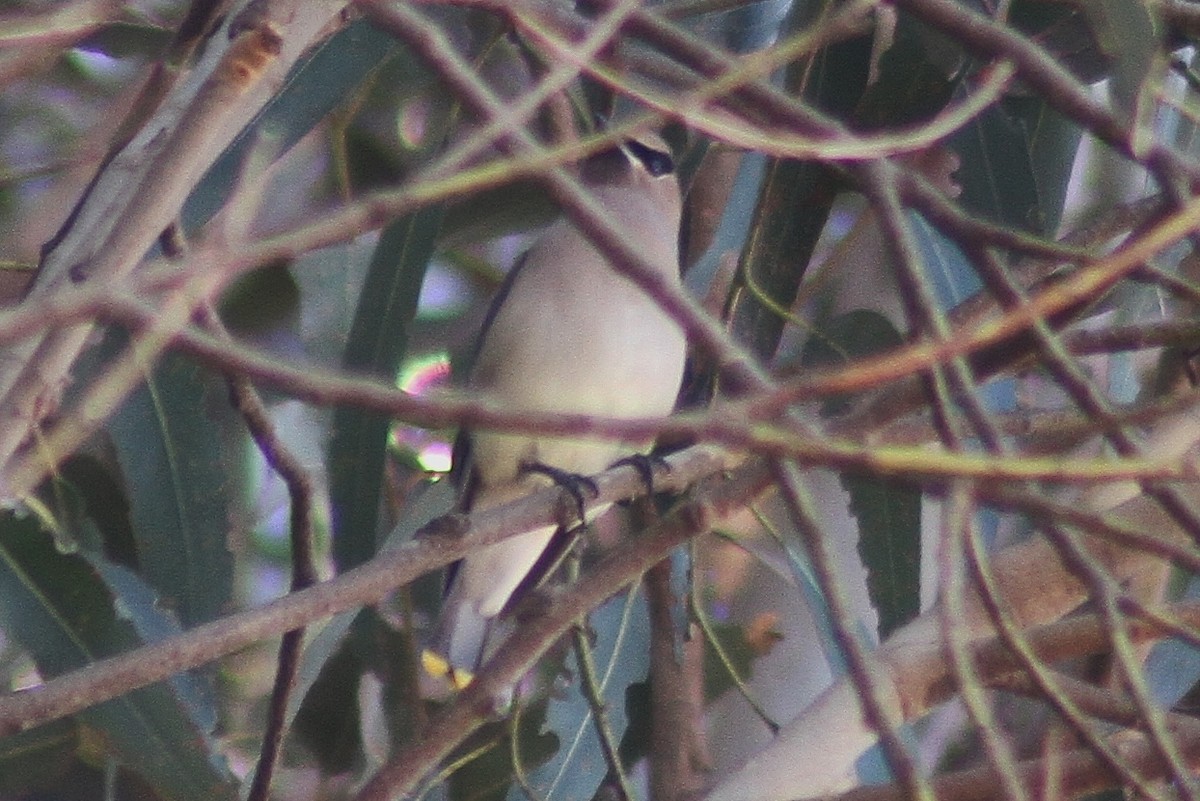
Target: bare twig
960,517
1053,82
301,493
1082,772
592,688
141,192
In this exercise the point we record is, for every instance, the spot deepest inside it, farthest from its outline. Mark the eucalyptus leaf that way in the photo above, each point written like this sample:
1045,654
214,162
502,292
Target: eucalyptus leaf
1064,31
1129,32
888,513
741,652
997,175
36,758
327,722
322,703
889,523
68,615
1053,143
377,343
488,776
176,475
914,81
795,196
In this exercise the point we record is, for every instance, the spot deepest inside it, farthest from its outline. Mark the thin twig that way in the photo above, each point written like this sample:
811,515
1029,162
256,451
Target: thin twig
1052,81
593,691
700,615
140,193
1083,773
873,693
520,773
301,493
1010,634
960,517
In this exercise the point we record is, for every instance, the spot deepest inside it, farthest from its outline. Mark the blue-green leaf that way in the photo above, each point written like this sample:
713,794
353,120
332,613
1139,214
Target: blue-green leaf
320,82
621,652
68,613
176,475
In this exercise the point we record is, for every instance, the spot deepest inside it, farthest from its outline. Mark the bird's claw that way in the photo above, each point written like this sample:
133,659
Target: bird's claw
644,464
573,483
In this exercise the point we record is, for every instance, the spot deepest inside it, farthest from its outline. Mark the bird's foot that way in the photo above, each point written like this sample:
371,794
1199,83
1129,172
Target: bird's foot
574,483
644,464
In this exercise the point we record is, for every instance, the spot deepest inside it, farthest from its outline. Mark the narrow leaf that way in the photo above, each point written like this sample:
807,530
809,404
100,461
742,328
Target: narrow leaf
378,338
176,475
62,610
319,83
36,758
889,522
888,513
997,173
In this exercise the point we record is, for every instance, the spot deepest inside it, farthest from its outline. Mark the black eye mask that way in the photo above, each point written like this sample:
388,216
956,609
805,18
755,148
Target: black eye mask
656,162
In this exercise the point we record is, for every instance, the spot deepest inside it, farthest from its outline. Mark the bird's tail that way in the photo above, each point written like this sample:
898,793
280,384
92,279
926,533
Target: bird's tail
461,633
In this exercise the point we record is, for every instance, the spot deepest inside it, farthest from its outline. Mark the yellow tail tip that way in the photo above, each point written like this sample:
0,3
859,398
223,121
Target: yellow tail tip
438,667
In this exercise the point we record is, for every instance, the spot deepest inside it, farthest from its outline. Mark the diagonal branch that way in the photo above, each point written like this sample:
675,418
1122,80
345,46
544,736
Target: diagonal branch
441,543
142,189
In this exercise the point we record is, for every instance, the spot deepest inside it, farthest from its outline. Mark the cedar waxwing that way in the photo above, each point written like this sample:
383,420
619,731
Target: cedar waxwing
566,333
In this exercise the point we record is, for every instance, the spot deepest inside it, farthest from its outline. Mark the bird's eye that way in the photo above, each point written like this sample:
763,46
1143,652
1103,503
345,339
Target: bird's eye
656,162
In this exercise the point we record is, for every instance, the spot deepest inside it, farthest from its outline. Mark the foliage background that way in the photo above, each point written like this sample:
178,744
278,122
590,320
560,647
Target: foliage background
940,282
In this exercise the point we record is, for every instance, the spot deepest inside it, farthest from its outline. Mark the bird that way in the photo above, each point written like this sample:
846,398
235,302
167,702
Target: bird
567,332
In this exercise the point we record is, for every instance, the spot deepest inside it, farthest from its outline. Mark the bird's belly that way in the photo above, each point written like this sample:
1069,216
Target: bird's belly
620,376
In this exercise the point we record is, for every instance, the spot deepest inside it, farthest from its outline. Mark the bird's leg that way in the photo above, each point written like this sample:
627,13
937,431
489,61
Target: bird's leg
573,483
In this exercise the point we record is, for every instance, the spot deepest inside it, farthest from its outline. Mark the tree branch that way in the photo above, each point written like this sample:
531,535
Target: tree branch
441,542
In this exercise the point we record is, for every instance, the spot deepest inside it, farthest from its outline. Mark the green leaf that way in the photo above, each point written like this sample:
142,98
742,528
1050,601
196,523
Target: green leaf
997,173
741,651
69,611
793,205
1129,33
176,475
324,704
119,40
327,722
378,339
37,758
888,513
889,522
639,709
914,81
1053,143
1064,31
488,776
796,196
261,302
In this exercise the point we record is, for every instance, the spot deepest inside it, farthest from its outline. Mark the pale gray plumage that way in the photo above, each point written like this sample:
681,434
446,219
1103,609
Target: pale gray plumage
569,334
